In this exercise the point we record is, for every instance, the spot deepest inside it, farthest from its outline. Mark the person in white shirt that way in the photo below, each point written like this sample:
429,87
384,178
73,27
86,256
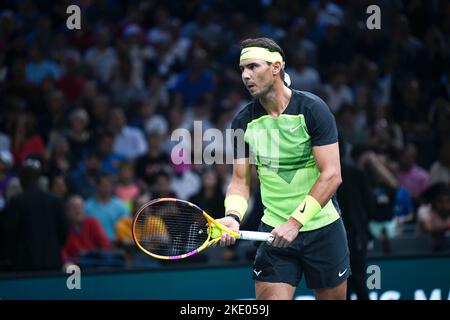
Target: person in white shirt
303,76
129,141
440,170
102,58
338,93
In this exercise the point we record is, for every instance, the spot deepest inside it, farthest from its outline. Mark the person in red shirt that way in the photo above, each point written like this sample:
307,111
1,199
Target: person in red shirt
71,82
86,232
25,141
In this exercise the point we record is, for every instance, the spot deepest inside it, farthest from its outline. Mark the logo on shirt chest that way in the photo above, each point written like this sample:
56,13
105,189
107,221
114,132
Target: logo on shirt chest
294,128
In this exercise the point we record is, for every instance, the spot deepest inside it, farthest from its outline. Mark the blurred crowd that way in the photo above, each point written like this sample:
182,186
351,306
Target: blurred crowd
86,115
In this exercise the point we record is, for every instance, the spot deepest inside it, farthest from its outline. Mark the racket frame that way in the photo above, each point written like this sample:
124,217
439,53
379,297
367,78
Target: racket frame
247,235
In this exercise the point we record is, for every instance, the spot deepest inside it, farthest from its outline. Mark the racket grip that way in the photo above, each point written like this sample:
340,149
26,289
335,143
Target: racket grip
255,236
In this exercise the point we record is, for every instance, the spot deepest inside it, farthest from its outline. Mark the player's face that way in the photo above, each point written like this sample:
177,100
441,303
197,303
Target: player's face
257,77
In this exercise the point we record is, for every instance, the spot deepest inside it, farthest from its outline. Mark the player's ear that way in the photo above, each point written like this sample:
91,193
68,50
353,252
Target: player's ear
276,67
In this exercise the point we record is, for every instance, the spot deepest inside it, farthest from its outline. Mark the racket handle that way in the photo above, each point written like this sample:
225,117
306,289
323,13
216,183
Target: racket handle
255,236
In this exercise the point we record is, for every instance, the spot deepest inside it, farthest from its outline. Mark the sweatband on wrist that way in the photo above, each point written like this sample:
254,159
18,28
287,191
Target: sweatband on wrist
236,204
306,210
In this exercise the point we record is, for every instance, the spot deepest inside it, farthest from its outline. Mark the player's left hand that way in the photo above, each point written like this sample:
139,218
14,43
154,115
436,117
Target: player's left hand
285,233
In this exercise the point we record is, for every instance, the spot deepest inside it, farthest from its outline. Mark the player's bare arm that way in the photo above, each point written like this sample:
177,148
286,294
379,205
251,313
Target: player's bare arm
327,160
239,189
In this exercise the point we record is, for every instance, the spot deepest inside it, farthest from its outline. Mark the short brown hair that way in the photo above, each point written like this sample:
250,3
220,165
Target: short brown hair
265,43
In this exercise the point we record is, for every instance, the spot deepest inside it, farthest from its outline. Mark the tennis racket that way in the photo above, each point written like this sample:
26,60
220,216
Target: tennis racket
171,229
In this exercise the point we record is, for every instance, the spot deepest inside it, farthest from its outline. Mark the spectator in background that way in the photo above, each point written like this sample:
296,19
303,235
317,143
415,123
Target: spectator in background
434,216
147,165
58,185
177,120
147,119
98,107
337,92
409,47
158,91
71,82
124,88
132,45
271,25
194,83
126,187
54,119
410,110
176,55
404,209
385,133
392,203
204,27
85,233
82,180
440,169
439,119
210,197
102,57
297,38
128,141
303,76
346,121
335,46
124,236
110,160
78,135
104,206
38,68
36,225
200,111
162,186
25,139
42,34
60,158
17,83
186,181
412,177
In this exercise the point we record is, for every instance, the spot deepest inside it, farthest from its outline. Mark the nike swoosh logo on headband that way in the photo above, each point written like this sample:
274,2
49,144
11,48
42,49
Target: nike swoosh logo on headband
244,51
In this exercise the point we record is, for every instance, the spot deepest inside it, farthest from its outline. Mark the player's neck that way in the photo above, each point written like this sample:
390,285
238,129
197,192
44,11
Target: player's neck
277,100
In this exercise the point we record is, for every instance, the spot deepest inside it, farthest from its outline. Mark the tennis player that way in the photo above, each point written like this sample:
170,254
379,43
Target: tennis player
293,138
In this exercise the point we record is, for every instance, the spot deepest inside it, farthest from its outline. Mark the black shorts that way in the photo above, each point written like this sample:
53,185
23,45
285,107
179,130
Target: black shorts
321,254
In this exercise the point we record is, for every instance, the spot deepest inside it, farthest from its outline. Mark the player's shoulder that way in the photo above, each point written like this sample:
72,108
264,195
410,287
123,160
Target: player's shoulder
245,111
244,115
308,99
311,105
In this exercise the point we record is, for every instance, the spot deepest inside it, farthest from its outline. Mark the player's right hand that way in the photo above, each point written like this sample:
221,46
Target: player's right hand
227,239
285,233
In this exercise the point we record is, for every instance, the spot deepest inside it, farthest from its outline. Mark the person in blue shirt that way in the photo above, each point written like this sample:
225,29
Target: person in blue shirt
107,208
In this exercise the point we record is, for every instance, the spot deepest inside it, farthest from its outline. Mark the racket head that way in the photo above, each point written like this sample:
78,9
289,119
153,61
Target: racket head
171,229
